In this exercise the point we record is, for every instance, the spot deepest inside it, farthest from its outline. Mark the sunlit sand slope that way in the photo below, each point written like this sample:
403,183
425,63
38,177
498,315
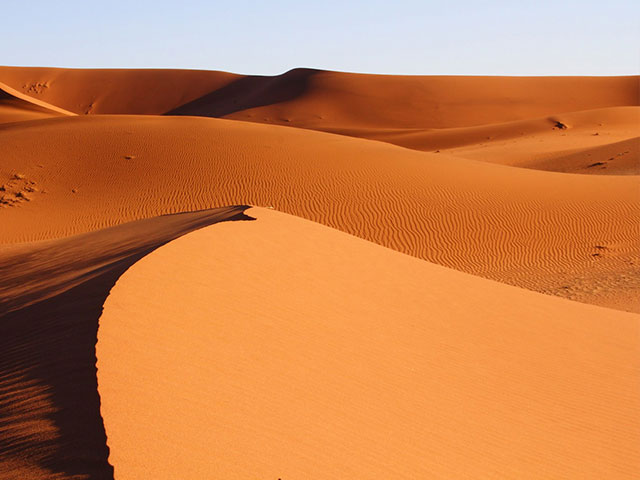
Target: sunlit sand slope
604,141
572,235
281,348
328,100
17,107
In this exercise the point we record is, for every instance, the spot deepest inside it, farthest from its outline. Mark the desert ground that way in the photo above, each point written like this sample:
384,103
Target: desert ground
318,275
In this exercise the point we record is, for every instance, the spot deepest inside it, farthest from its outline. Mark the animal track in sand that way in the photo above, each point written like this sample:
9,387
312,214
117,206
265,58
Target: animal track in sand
16,190
35,87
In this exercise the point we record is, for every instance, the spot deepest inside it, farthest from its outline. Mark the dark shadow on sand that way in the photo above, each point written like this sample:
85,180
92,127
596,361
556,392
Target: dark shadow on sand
249,92
50,346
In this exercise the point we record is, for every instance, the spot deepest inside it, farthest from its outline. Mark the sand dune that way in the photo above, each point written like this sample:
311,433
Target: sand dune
100,91
51,295
294,350
571,235
572,142
323,100
308,353
18,107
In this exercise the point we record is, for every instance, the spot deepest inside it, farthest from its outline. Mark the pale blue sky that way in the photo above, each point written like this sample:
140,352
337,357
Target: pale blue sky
497,37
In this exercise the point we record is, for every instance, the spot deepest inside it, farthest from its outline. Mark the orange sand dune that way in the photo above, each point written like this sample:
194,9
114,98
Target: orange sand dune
576,142
51,295
18,107
308,353
280,348
95,91
569,235
323,100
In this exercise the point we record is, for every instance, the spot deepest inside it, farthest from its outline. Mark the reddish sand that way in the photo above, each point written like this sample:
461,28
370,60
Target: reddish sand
320,355
427,166
571,235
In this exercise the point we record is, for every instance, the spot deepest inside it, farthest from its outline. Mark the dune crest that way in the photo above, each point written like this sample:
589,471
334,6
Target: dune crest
51,295
17,107
308,353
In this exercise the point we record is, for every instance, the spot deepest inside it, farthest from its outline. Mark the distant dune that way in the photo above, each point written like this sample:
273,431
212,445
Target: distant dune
529,228
319,99
294,349
17,107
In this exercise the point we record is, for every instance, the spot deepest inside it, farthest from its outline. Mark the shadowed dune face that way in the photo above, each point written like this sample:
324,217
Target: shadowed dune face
13,109
51,296
332,100
19,107
308,353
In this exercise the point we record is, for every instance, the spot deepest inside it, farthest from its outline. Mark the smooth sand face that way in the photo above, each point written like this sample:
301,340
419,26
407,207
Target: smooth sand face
320,355
528,181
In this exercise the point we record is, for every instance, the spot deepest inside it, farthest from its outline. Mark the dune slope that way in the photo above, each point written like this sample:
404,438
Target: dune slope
323,99
290,350
602,141
51,295
102,91
18,107
571,235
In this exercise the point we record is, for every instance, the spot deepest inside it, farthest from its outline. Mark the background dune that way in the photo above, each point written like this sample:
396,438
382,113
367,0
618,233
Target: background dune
572,235
308,353
378,363
602,141
321,99
100,91
507,120
17,107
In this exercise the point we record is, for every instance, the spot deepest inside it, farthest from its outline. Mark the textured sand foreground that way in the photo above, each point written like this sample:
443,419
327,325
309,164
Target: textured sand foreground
320,355
295,345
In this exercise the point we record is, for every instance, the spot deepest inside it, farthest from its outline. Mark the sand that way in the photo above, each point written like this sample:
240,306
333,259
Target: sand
51,296
412,208
321,355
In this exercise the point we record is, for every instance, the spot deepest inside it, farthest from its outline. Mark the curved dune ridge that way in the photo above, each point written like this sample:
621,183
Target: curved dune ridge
282,348
573,235
17,107
51,295
308,353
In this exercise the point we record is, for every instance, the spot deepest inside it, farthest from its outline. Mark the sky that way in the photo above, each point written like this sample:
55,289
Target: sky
516,37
